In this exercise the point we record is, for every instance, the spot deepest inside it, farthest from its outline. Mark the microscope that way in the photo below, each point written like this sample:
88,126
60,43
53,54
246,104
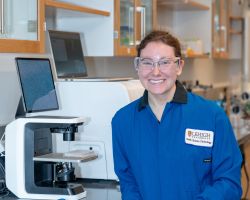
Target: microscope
33,170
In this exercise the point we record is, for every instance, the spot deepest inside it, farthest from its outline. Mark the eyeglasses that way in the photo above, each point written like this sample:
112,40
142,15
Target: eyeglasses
147,65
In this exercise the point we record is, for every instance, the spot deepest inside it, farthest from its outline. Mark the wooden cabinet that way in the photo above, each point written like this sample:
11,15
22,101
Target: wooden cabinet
129,20
20,28
24,23
227,29
184,4
190,21
133,20
118,34
215,26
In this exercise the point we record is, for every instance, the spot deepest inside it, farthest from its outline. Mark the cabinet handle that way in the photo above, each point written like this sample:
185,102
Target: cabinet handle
142,10
2,17
143,23
131,26
224,29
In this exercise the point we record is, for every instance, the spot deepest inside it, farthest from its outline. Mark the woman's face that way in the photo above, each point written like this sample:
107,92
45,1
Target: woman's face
160,80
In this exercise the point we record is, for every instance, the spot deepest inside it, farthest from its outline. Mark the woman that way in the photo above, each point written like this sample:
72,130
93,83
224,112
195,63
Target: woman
171,144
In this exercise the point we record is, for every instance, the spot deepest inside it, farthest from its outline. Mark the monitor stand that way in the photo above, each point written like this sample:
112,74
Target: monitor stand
20,112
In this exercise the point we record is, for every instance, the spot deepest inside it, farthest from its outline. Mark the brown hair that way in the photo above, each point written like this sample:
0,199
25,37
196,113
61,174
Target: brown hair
160,36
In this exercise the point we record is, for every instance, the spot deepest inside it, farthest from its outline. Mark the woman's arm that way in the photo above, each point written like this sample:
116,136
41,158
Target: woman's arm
226,164
128,185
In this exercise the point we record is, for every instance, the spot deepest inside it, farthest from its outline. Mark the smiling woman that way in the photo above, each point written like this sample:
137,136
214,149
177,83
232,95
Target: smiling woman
160,80
165,129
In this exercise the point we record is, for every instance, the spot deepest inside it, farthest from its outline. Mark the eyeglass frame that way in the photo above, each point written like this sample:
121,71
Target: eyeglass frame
138,59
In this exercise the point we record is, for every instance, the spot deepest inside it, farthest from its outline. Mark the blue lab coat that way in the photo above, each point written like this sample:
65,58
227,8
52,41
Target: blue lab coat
190,154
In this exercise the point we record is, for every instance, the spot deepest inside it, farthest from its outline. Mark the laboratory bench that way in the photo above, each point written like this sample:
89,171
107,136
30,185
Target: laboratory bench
96,190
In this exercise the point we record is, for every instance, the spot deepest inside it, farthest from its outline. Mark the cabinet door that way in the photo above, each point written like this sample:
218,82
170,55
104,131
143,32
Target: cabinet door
227,29
19,19
20,26
125,27
134,19
145,18
220,29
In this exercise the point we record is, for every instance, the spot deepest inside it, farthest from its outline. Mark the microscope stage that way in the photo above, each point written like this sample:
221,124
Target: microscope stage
72,156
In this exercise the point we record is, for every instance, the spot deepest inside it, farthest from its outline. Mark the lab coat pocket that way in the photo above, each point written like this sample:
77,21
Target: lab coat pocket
197,170
206,163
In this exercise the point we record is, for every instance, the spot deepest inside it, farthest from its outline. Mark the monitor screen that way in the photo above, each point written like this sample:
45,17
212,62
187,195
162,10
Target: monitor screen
68,54
37,84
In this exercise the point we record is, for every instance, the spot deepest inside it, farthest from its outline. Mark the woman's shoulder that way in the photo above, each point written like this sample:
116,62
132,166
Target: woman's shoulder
127,109
198,101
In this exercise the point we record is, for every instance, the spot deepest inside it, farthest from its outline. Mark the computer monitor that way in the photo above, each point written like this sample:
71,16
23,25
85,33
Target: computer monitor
37,84
68,54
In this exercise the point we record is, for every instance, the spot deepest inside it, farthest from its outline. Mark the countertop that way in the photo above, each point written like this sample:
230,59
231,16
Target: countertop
96,190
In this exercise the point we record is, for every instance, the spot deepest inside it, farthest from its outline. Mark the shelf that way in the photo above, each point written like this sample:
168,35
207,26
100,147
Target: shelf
215,86
69,6
235,32
236,18
62,157
182,5
197,56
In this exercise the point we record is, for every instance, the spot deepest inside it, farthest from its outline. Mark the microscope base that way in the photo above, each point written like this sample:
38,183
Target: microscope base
49,190
51,197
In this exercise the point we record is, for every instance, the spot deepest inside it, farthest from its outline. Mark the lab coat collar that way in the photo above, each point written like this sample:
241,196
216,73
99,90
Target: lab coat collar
180,96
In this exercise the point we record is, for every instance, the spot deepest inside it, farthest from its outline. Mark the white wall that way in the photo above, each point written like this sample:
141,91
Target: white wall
111,66
8,89
9,86
211,71
96,31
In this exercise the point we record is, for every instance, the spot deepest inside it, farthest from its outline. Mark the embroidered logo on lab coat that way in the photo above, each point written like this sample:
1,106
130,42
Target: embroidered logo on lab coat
197,137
